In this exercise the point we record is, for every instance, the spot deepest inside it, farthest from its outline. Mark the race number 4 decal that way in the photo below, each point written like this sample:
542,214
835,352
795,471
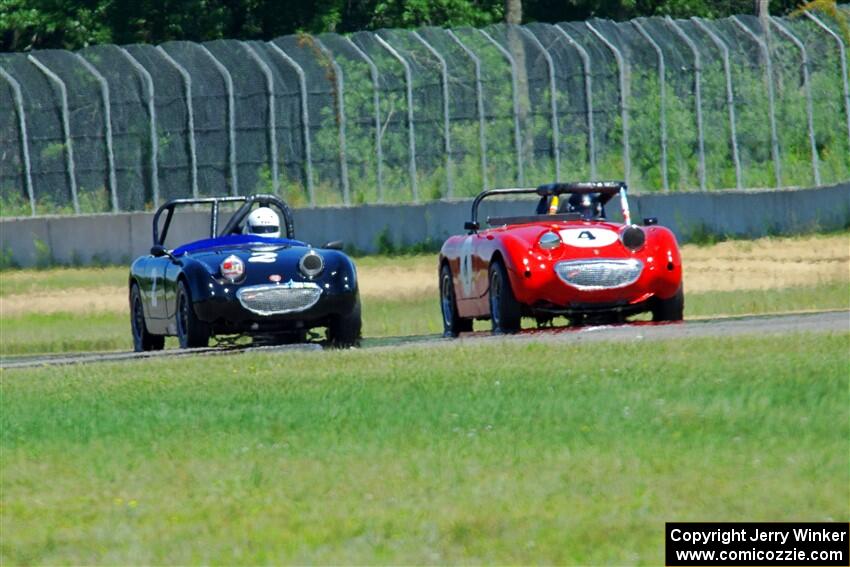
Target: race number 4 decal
588,237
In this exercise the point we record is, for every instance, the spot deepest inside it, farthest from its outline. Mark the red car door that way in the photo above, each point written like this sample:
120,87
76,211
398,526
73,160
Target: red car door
474,263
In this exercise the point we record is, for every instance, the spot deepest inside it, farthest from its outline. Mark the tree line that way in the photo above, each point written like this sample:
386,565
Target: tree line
72,24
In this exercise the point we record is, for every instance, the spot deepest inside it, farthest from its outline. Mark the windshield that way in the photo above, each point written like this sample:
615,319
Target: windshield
188,224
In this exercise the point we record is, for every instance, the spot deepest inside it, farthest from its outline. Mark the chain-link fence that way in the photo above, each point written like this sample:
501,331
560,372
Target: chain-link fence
416,115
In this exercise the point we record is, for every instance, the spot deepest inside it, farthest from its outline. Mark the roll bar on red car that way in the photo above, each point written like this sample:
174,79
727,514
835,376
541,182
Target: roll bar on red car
247,202
607,189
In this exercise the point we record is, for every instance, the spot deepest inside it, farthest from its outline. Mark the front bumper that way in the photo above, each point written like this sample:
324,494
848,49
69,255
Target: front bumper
543,290
226,313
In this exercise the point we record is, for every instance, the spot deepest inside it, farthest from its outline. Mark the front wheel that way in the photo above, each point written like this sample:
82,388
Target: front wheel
672,309
191,331
344,329
453,325
143,341
505,310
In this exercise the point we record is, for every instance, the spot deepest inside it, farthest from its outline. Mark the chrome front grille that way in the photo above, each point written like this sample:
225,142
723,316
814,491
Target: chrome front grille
277,299
599,274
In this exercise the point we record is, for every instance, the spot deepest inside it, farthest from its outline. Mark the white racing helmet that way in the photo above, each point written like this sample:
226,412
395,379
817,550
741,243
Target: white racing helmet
263,222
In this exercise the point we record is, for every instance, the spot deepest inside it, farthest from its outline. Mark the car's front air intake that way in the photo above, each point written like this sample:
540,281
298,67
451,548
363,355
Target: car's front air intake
599,274
278,299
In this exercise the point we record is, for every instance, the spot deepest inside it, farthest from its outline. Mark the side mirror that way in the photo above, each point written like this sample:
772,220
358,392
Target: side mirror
469,225
158,251
334,245
649,221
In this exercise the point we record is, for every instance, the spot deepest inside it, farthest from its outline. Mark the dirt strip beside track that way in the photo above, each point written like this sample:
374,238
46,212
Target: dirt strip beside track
830,321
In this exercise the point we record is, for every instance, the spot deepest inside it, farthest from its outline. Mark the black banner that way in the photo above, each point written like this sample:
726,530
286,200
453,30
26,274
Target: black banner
753,543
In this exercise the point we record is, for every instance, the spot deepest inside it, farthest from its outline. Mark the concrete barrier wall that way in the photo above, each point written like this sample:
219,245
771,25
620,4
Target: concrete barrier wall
117,238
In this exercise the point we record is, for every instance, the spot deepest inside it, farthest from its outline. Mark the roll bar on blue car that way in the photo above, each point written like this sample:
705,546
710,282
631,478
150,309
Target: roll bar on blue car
607,189
247,202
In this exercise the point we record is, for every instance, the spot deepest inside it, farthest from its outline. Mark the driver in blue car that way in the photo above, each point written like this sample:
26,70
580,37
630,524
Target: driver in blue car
263,222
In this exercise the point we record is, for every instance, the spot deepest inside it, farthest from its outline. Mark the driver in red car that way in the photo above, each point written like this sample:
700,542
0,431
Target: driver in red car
588,205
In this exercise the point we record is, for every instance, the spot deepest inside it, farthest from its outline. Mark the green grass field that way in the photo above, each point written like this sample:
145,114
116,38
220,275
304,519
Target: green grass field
505,452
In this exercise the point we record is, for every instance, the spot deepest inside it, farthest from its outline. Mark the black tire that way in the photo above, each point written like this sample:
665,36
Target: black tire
505,310
143,341
191,331
344,329
672,309
453,325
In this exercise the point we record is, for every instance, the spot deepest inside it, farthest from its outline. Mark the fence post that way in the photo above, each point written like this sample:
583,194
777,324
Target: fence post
444,80
697,95
107,122
190,116
479,99
807,87
231,117
624,113
66,129
768,75
842,54
662,93
588,97
154,142
305,119
340,95
267,73
515,94
730,97
22,130
411,139
373,73
553,92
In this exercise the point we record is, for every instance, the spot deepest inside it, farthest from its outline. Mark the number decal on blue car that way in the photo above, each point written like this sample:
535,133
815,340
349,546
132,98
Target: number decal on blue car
263,257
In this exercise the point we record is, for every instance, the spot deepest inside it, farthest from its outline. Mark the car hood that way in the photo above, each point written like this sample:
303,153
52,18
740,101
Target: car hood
575,234
580,239
265,262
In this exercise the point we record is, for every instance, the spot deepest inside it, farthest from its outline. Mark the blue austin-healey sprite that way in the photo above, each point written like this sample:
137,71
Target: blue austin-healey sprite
249,277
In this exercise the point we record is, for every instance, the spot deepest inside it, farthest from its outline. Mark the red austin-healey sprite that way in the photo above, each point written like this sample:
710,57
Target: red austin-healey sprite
566,260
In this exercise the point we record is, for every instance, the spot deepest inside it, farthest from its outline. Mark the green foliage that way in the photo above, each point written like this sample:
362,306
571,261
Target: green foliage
829,7
43,255
702,235
68,24
72,24
13,203
448,13
386,246
384,242
7,261
556,10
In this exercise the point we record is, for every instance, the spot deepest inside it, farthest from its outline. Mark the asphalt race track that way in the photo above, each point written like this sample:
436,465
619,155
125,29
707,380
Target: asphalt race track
829,321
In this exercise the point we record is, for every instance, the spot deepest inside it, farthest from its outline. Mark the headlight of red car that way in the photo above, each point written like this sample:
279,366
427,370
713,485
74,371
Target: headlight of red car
633,237
549,241
232,268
